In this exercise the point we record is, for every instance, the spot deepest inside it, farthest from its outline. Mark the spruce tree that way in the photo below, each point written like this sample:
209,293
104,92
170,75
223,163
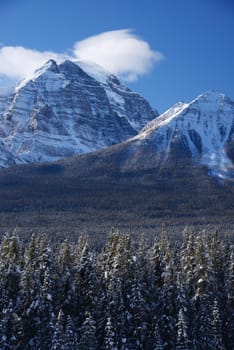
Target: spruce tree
88,340
229,307
110,336
58,338
70,340
182,342
217,337
158,343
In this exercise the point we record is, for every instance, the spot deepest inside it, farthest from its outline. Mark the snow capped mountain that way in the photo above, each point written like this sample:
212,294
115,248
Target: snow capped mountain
77,107
202,130
66,109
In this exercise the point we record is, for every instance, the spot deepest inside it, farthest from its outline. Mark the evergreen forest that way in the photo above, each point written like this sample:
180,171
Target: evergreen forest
128,295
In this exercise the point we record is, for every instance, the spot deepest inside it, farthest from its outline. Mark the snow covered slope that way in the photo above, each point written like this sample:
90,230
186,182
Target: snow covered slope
202,131
61,110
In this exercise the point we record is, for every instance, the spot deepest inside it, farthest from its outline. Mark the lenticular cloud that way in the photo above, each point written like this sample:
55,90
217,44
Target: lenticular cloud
120,52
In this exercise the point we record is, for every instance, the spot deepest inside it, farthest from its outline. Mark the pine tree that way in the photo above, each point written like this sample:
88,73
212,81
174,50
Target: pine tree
11,328
229,307
167,307
70,340
30,294
217,338
5,325
17,336
11,262
58,336
110,336
182,342
45,310
188,262
88,340
158,343
88,281
66,277
203,298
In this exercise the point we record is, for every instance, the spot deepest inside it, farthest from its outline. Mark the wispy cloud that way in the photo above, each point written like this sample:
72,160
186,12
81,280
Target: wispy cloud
120,51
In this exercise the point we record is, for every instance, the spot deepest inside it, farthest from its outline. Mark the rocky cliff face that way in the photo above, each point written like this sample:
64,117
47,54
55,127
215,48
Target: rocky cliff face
64,110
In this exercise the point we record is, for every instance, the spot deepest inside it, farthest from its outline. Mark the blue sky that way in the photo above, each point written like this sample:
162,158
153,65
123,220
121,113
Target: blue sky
196,38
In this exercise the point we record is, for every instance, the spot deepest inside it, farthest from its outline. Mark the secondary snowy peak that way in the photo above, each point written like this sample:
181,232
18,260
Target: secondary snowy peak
63,109
202,130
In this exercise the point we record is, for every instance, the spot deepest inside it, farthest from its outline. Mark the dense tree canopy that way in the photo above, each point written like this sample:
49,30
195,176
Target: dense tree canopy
128,296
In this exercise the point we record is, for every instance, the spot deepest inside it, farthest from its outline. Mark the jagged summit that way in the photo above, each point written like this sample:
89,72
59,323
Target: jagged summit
62,110
50,65
72,68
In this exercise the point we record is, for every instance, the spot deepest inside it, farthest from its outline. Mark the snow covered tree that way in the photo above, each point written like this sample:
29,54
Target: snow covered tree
182,342
70,340
229,307
45,309
217,338
5,324
203,299
88,281
158,343
11,261
58,340
188,263
88,340
167,307
110,336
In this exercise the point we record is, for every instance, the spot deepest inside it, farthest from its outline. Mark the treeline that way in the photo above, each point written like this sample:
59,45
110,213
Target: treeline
129,296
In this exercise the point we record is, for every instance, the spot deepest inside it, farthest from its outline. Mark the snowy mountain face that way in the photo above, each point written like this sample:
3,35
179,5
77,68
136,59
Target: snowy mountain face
68,109
77,107
201,131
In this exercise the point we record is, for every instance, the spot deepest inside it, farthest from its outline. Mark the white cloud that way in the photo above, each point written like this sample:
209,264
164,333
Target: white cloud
120,51
18,62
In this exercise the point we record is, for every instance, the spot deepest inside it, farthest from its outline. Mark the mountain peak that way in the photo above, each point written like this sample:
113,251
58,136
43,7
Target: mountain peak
211,97
202,130
61,110
50,65
212,94
68,64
